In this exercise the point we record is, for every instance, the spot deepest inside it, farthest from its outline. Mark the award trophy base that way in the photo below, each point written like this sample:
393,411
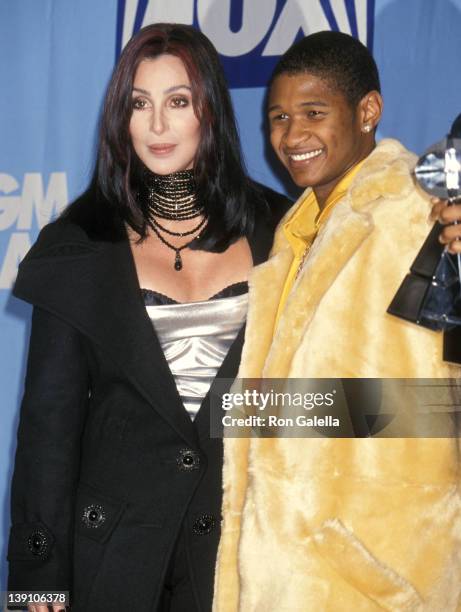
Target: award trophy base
430,295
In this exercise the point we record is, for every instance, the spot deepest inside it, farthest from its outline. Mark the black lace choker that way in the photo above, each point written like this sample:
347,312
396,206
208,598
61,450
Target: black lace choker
174,197
171,196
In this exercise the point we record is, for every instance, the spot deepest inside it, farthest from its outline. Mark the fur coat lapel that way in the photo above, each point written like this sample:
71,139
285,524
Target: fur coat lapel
384,174
265,286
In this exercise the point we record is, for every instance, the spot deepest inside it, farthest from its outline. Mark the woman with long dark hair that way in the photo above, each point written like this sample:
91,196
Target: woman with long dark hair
139,295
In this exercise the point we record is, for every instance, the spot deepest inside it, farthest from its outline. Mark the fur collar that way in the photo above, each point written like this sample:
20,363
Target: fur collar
385,174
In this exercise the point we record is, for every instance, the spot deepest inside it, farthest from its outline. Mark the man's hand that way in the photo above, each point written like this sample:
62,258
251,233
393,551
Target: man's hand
447,215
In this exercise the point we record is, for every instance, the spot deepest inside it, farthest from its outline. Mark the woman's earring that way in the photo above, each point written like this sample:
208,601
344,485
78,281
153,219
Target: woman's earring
366,128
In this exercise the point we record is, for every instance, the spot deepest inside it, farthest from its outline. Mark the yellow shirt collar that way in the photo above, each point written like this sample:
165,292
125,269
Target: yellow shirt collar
301,229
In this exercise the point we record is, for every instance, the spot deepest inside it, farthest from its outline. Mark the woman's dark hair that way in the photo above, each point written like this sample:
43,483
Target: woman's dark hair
339,59
222,184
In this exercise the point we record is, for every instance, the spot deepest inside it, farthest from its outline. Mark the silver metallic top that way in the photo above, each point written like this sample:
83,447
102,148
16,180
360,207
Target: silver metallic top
195,338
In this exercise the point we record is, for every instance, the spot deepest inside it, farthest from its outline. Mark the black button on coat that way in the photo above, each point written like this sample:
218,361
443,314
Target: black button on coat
109,467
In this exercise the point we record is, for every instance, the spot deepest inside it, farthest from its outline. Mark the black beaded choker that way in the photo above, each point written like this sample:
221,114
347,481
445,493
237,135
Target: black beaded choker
174,197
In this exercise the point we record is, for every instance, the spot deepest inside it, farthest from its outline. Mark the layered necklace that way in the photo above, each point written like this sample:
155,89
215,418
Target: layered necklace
172,197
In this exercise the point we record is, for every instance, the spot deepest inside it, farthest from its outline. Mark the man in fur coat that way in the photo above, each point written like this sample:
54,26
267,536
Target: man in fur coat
339,524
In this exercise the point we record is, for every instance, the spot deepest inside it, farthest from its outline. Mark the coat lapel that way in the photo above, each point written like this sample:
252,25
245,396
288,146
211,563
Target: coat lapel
384,173
347,230
266,283
97,292
93,286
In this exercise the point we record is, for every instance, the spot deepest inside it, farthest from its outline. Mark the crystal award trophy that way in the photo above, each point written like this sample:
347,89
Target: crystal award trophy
430,295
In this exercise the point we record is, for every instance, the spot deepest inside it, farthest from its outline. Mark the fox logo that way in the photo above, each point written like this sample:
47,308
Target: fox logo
250,35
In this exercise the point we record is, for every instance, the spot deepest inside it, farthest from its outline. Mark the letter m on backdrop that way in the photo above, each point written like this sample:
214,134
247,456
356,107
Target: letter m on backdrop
250,35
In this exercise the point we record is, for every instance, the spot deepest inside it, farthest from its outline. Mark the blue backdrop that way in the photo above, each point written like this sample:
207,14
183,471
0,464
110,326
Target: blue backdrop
56,57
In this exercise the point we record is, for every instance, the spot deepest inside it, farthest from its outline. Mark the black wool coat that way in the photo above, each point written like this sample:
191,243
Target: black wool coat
109,467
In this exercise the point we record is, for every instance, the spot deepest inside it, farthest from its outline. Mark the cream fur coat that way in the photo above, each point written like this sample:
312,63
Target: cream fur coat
343,525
